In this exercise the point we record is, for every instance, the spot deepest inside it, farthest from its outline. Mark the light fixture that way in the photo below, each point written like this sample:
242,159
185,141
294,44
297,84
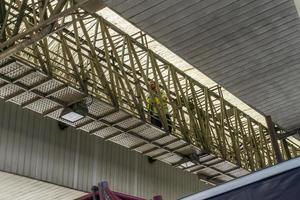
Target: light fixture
74,112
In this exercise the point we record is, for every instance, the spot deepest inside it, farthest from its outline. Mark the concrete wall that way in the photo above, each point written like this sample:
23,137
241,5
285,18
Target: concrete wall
35,147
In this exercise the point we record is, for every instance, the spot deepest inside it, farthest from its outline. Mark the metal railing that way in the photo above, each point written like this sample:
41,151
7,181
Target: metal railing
87,52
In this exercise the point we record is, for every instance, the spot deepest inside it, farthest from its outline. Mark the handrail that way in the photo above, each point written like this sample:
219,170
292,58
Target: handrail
89,53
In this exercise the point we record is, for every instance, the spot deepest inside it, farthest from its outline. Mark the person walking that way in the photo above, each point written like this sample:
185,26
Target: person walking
156,104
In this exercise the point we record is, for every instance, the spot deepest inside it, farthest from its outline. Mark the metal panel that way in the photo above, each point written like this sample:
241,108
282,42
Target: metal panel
219,142
181,85
23,98
20,188
277,182
37,148
249,47
126,140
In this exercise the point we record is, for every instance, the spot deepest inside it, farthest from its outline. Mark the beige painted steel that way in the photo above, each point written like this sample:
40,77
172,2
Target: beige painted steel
228,127
35,147
297,4
250,47
23,188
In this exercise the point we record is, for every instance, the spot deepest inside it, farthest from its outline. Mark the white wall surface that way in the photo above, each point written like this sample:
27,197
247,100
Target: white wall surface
22,188
35,147
297,4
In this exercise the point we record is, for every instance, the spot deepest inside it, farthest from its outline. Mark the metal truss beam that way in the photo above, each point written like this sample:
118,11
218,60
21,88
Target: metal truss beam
287,134
3,19
89,53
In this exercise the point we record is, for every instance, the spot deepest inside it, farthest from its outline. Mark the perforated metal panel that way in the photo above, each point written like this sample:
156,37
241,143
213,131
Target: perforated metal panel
92,126
171,158
23,98
145,148
126,140
32,79
2,82
238,172
186,150
148,132
194,168
156,152
165,139
176,144
81,122
115,116
140,128
49,86
127,123
5,60
98,108
212,162
9,67
9,90
164,155
55,114
14,70
207,157
42,105
67,95
106,132
224,166
208,172
224,178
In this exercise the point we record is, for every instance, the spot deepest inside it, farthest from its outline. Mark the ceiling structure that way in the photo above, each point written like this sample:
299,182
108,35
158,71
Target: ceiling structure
249,47
73,54
84,58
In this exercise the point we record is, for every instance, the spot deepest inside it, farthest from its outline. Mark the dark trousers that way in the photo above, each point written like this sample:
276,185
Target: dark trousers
155,120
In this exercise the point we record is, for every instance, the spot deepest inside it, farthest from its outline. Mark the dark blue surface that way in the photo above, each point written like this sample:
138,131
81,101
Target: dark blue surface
285,186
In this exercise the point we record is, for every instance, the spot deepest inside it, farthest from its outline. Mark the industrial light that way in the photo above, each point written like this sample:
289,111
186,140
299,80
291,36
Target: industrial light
74,112
72,116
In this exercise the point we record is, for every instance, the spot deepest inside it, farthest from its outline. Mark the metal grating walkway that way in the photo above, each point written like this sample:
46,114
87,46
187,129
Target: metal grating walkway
55,54
23,85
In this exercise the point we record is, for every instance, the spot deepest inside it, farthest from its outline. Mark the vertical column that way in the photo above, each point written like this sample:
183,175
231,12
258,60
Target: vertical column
2,21
286,149
274,142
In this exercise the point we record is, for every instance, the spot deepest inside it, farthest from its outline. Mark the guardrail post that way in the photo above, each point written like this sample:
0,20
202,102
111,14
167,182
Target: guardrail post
274,142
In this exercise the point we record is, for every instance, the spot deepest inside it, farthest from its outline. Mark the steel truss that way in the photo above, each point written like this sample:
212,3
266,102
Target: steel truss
84,52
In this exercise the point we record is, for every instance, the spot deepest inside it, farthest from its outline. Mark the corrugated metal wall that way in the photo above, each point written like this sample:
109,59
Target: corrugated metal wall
34,146
22,188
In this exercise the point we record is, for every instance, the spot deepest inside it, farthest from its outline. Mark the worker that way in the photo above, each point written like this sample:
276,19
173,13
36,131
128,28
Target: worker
157,101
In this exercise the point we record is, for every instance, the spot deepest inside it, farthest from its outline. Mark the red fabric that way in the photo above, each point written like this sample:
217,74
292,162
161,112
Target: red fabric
101,195
111,194
104,191
158,197
115,196
127,197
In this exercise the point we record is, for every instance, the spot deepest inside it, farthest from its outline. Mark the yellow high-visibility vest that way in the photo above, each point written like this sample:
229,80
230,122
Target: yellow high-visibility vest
154,103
